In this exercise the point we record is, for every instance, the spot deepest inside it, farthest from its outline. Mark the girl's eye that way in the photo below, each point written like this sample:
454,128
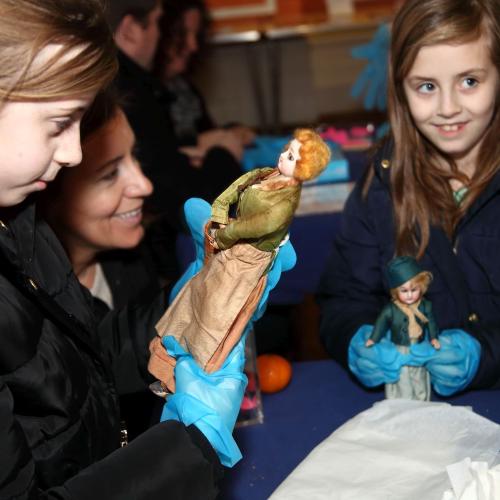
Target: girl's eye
290,156
62,125
426,88
469,83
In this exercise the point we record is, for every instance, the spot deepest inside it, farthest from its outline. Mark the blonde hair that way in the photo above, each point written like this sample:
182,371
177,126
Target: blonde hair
84,63
314,154
421,191
422,280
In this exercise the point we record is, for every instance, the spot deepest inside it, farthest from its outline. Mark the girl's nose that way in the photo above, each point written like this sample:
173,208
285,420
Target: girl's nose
69,149
449,104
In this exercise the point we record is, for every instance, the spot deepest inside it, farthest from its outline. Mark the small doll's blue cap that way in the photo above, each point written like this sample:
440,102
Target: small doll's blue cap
400,270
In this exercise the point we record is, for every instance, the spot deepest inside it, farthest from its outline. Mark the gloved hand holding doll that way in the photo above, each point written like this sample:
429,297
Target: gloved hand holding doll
410,321
210,312
202,329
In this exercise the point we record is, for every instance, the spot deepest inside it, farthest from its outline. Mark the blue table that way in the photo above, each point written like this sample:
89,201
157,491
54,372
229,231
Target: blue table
321,397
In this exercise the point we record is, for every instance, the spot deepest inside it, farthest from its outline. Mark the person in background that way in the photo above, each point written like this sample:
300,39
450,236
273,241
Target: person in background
183,36
175,178
59,369
432,192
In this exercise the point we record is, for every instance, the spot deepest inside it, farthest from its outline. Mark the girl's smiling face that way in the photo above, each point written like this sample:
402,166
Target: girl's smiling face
452,92
36,140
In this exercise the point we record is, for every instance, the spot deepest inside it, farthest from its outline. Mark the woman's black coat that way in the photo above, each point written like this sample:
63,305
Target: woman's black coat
59,418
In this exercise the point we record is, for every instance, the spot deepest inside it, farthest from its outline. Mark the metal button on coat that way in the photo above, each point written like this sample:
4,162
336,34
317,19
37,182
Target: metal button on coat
473,318
385,163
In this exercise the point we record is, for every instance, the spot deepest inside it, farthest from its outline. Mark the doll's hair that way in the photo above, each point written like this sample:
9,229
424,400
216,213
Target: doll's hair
422,280
85,62
421,192
314,154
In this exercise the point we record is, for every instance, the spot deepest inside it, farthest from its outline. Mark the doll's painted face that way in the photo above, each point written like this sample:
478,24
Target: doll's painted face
409,292
288,159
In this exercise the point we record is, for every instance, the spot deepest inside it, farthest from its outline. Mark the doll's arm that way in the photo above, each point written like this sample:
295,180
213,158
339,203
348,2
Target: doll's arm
381,326
431,326
220,207
275,217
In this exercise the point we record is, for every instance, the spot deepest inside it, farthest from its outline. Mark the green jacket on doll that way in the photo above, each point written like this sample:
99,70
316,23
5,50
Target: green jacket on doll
394,319
264,212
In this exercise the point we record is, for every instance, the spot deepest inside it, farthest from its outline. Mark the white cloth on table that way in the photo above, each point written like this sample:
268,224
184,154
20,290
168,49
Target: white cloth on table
398,449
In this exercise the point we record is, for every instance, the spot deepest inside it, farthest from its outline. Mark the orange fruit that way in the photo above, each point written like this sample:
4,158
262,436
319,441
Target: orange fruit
274,372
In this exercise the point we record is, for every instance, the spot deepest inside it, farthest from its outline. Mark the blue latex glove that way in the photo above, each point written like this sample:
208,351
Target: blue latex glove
197,213
373,79
452,367
375,365
209,401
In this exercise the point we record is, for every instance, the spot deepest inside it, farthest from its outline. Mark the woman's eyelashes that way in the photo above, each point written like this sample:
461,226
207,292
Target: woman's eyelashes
110,172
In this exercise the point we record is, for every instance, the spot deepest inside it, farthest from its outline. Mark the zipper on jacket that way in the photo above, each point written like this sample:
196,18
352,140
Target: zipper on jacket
456,241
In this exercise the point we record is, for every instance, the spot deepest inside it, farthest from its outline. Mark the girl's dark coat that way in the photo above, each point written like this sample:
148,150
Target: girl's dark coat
465,292
59,369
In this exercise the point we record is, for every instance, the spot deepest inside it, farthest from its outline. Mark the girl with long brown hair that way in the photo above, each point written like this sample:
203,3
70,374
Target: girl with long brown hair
432,192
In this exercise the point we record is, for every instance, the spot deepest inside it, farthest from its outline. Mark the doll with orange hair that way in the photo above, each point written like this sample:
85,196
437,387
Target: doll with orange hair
210,312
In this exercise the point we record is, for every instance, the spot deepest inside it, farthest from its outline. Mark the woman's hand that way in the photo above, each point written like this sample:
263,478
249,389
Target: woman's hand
210,401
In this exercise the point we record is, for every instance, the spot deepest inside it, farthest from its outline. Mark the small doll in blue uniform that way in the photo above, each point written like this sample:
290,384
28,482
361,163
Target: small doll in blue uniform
410,320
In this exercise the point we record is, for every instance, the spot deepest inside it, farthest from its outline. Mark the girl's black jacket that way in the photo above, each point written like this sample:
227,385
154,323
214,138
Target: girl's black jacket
59,373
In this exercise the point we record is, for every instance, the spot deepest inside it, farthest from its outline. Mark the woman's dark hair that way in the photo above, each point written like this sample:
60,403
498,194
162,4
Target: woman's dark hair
173,32
103,109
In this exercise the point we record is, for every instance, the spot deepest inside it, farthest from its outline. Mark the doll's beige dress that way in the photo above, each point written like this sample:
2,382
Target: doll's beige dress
210,312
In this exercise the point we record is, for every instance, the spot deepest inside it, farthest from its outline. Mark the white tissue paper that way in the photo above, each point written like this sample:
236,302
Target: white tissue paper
398,449
473,481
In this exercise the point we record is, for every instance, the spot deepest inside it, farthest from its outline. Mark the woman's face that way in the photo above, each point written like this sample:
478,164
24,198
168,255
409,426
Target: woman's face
100,204
451,92
36,140
409,293
180,54
288,159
